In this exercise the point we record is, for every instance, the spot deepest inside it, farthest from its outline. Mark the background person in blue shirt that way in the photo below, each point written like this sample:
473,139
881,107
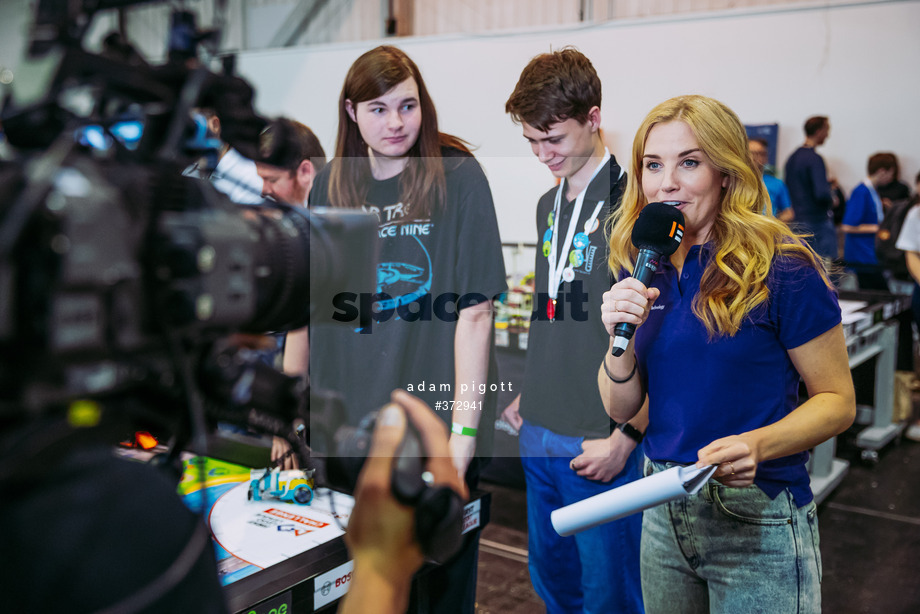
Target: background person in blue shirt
722,340
810,189
864,213
779,195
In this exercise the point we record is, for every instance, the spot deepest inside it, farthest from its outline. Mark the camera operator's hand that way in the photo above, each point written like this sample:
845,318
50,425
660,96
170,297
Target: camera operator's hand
381,531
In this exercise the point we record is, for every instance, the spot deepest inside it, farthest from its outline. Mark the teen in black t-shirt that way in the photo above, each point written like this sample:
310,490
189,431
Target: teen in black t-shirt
440,265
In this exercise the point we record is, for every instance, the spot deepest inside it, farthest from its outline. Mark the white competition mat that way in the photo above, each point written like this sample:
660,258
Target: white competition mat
263,533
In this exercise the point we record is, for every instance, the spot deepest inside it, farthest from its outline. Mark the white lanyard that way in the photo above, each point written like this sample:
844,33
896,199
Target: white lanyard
555,269
879,210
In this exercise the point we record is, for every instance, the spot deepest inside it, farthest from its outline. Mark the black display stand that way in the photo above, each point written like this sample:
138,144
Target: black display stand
312,580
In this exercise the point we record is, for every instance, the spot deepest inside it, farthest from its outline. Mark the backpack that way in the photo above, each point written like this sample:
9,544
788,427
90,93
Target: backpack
890,257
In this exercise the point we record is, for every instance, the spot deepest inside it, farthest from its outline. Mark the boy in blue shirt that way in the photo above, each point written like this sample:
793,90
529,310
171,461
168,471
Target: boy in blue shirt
864,213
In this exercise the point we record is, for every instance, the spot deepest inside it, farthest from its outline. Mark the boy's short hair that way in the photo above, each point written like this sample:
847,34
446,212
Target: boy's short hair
882,160
554,87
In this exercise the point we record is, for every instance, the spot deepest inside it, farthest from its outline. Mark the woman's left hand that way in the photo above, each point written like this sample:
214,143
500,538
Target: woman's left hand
736,457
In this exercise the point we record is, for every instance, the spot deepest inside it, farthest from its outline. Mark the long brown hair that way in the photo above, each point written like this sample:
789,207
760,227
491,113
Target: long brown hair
422,184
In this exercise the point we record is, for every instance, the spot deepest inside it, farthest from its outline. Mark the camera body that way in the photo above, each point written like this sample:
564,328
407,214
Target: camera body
119,275
116,272
121,278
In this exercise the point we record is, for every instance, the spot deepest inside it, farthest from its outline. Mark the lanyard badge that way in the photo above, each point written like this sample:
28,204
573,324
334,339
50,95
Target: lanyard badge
563,268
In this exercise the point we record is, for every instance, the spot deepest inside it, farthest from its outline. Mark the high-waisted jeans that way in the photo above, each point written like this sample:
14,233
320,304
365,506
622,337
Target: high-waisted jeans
730,550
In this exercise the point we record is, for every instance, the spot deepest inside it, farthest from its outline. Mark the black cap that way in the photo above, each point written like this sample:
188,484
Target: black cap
659,228
277,144
286,143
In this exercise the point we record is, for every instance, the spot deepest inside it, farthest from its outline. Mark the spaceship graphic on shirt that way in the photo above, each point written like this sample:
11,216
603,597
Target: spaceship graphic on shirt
404,282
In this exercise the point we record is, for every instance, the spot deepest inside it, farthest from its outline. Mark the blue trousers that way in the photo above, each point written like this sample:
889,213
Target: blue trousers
824,236
595,571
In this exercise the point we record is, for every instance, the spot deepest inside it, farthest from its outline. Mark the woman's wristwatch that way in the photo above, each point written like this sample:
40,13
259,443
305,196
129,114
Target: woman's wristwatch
632,432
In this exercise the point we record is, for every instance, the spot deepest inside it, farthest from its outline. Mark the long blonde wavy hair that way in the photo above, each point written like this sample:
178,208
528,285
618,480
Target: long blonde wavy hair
745,240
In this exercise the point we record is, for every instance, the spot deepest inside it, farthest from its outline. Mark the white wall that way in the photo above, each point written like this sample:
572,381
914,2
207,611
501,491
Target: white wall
856,64
14,30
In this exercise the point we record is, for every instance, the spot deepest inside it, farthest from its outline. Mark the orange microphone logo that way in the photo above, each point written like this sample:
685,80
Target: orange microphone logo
676,232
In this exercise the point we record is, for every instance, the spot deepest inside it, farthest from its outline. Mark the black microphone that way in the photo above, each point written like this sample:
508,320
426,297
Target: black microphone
658,231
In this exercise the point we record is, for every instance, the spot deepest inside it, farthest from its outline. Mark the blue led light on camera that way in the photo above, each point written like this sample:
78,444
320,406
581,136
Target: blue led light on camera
128,132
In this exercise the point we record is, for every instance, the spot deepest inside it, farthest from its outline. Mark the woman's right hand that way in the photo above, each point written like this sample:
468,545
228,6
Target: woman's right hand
628,301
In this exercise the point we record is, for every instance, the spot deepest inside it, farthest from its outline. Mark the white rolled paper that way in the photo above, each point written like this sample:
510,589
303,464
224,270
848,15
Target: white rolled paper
631,498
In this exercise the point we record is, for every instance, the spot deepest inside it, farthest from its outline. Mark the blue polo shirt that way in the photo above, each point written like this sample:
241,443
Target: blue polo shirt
863,207
701,390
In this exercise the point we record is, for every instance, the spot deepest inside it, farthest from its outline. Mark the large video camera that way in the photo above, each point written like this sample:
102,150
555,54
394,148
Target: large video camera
121,279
